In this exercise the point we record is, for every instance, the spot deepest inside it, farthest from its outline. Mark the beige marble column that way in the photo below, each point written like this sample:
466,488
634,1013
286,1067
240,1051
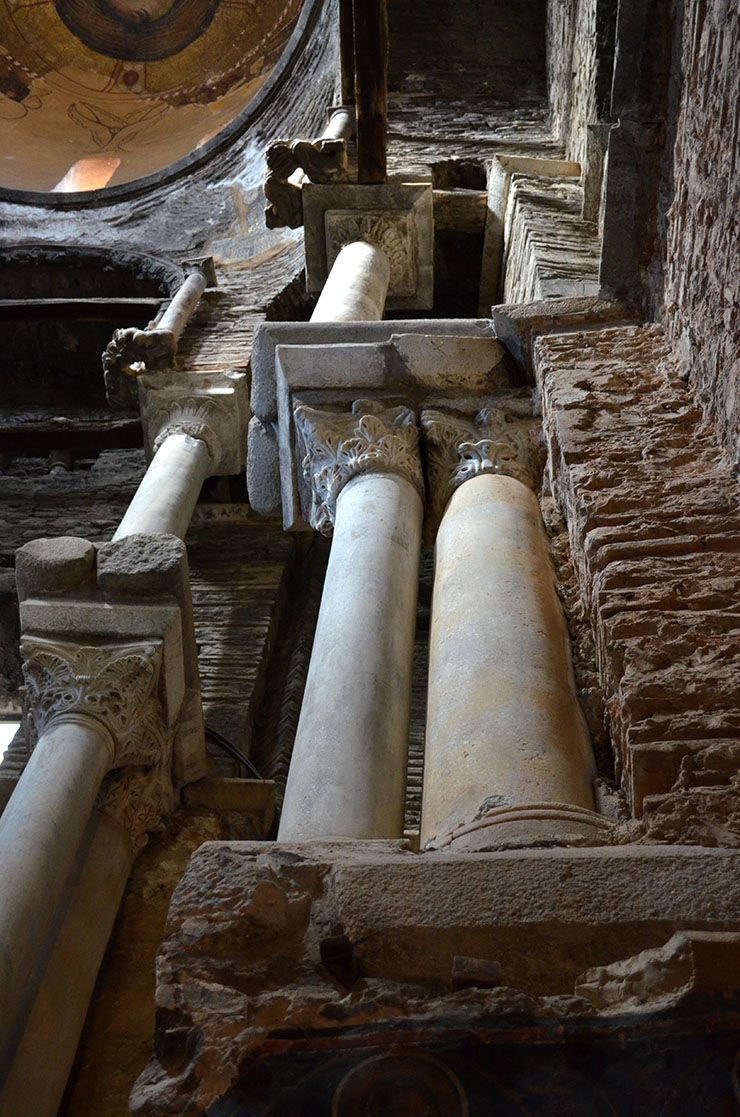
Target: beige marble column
356,287
508,756
348,771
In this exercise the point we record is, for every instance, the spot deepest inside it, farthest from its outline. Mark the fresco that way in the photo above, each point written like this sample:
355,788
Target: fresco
144,81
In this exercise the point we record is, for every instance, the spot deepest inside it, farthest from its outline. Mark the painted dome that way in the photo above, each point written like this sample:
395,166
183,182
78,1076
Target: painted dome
99,92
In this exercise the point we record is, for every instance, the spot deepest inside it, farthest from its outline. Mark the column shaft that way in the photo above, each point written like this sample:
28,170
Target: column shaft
356,287
184,302
508,756
46,1051
348,772
168,493
40,833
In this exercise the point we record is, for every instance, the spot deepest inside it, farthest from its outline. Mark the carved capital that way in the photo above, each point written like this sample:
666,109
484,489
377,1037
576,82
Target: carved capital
197,416
340,445
394,233
138,800
459,449
115,684
129,353
217,415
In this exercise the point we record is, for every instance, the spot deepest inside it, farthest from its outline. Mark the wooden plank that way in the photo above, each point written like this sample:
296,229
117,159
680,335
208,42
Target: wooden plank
83,310
347,51
371,88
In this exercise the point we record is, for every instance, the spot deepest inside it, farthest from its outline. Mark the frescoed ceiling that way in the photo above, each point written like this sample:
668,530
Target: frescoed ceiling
90,87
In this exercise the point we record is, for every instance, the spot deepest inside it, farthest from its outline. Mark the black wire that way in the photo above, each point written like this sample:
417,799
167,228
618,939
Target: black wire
232,750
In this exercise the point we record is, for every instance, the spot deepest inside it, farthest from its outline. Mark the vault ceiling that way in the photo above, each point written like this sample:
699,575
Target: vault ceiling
126,86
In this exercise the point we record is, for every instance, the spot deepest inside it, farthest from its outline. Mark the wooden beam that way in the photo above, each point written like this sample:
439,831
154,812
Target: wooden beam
347,51
371,88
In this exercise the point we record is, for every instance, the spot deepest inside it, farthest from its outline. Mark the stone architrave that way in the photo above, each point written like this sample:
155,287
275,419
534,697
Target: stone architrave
338,446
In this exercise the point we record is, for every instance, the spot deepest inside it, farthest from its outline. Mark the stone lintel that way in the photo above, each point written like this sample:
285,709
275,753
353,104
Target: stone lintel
397,217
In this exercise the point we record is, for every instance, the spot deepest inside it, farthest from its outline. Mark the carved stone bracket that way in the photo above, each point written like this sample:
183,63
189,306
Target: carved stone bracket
129,353
217,415
321,160
115,684
459,449
341,445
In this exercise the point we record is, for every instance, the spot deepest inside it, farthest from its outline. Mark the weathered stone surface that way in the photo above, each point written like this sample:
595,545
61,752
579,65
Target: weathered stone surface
701,296
654,526
693,965
243,952
53,565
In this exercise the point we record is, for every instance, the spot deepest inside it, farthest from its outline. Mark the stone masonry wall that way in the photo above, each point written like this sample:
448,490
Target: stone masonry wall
702,279
654,523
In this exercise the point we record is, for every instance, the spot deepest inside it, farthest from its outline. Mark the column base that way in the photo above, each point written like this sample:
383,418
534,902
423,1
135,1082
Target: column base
528,826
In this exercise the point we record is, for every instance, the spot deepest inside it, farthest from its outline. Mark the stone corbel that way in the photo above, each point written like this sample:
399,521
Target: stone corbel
218,415
132,351
337,446
289,164
494,441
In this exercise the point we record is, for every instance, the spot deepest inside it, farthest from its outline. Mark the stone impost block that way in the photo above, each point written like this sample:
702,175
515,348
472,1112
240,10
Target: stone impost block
212,408
396,217
461,363
154,566
52,566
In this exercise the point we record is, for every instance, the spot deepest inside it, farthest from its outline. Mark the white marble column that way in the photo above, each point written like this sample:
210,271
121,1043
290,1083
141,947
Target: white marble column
90,709
356,287
40,832
348,772
169,490
508,756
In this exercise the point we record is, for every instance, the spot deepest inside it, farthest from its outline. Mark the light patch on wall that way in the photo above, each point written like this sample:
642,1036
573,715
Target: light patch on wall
8,730
88,174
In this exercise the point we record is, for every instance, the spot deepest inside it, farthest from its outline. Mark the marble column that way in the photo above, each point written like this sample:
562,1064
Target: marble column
169,490
348,771
89,709
356,287
508,756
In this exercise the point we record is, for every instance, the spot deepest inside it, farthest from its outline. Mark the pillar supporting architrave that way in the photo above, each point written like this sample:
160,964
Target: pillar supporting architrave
508,756
356,287
348,771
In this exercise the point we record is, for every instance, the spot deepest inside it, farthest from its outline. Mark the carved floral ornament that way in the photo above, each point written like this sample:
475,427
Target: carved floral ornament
459,449
114,684
197,416
341,445
393,233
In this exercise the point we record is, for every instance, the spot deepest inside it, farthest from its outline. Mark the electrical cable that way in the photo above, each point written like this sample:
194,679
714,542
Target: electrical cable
232,750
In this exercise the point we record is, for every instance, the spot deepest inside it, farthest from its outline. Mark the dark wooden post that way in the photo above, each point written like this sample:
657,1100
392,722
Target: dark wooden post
371,88
347,51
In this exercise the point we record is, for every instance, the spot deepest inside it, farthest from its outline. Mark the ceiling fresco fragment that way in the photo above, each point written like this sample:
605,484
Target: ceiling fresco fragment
96,92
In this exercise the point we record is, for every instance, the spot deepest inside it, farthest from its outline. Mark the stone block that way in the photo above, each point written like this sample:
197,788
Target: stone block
53,566
397,217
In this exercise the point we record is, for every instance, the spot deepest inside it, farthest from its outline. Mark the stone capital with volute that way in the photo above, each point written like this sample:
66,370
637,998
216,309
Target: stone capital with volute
494,441
338,446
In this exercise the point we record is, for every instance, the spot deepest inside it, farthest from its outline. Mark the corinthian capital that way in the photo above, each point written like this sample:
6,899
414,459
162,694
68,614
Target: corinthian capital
341,445
113,684
459,449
